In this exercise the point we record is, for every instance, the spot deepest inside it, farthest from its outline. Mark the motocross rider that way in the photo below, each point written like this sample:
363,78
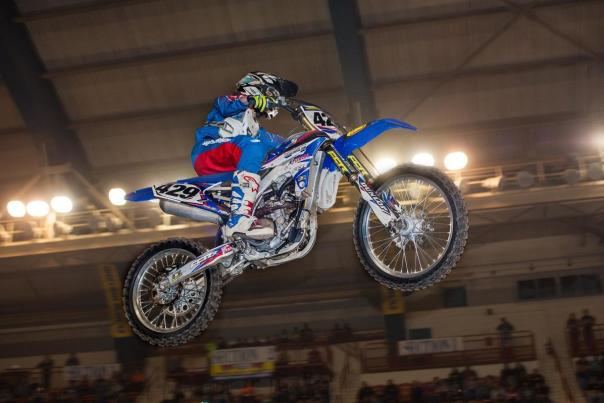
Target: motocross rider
231,141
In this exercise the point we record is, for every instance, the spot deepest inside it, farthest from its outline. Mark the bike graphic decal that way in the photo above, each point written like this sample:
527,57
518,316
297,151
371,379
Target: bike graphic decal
179,192
321,120
338,161
381,210
357,164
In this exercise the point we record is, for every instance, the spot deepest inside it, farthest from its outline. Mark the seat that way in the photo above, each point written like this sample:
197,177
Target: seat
210,179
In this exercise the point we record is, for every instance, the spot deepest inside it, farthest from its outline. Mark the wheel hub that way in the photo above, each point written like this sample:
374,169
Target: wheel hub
164,296
411,228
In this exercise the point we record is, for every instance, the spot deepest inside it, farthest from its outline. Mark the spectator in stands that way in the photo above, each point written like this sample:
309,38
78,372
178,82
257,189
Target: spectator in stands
587,328
335,333
347,332
391,392
248,395
455,379
46,366
306,333
417,393
174,365
572,329
284,338
365,394
505,330
282,358
72,360
314,356
507,376
468,373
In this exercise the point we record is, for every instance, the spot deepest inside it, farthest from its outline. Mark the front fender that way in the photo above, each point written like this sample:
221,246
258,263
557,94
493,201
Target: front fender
362,135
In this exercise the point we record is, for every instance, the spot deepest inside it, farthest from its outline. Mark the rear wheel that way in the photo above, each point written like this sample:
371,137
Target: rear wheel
177,315
427,240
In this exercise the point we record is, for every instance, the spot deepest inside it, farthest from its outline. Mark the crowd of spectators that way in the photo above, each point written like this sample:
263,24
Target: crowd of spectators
304,334
36,385
117,388
514,384
590,376
310,389
581,334
341,332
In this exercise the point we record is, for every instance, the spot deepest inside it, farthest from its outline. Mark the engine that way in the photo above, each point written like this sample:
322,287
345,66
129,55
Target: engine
279,205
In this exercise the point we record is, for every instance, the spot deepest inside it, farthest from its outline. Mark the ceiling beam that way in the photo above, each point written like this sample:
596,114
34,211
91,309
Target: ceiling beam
379,84
532,16
492,10
346,22
487,70
35,97
77,9
181,54
174,110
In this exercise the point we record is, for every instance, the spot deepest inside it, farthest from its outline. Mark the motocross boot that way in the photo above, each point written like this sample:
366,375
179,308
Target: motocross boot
244,190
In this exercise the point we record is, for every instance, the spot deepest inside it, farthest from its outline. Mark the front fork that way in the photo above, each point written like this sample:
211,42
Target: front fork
356,173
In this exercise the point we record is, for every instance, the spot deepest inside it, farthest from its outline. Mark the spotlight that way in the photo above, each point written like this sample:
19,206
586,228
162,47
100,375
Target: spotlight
456,160
38,208
117,196
15,208
423,159
61,204
385,164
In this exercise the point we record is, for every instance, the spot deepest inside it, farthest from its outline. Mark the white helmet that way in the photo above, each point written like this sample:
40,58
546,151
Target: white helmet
269,85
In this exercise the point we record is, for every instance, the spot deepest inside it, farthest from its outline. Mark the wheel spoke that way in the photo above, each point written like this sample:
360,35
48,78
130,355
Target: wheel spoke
425,232
169,310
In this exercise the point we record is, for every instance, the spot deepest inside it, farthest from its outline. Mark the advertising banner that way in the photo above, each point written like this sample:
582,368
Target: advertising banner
243,362
430,346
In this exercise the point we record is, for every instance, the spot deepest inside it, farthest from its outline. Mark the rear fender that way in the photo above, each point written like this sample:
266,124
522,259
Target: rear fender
140,195
198,200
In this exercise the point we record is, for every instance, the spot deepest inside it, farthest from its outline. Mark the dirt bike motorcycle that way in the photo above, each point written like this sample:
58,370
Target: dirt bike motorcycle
409,230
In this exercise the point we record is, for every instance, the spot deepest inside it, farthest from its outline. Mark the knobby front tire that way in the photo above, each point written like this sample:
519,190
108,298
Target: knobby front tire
442,265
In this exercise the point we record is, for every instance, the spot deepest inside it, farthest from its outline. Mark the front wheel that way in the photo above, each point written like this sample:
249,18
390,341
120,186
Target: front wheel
176,315
427,240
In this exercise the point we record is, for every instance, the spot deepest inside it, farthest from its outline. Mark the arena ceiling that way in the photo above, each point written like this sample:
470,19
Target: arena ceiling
505,80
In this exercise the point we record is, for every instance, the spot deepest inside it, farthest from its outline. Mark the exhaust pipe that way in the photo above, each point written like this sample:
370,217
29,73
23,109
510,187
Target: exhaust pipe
190,212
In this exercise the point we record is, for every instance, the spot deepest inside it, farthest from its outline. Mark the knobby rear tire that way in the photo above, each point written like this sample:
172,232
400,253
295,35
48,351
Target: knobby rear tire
204,316
456,246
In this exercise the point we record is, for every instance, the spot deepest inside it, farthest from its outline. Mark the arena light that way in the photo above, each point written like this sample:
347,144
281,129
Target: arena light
117,196
385,164
38,208
61,204
423,159
16,208
456,160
